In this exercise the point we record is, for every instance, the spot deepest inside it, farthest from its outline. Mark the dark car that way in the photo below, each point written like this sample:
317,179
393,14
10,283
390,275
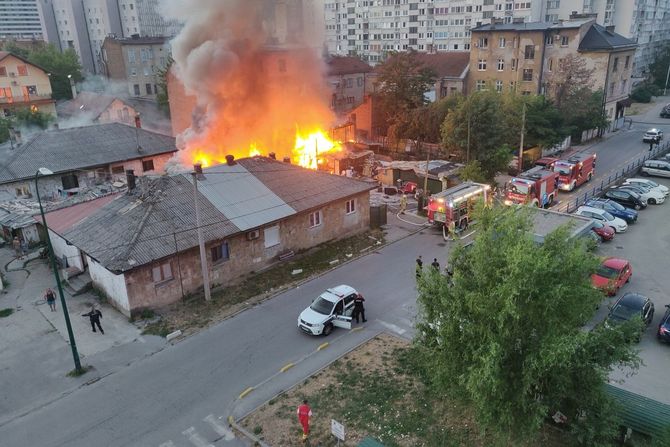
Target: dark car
626,198
631,305
663,333
615,209
665,112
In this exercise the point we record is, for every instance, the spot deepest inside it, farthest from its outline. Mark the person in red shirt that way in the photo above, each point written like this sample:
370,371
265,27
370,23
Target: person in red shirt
304,414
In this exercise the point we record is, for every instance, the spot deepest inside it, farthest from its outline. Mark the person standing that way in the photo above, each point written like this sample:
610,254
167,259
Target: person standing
359,309
95,315
403,203
435,265
304,415
24,247
16,244
419,267
50,296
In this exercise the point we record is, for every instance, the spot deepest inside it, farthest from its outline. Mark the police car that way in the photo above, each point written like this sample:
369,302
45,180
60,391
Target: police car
331,309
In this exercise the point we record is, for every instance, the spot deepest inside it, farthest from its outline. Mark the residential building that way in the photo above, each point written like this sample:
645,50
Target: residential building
371,29
525,57
347,76
72,29
137,62
80,158
451,69
254,213
144,18
23,20
102,20
23,85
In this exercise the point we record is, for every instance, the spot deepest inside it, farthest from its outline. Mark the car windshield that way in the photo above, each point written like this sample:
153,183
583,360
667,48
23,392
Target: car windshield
518,188
608,217
322,306
598,225
562,169
623,312
652,183
607,272
616,206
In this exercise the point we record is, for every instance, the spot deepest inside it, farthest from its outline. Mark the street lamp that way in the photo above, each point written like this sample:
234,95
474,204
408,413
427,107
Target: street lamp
72,86
73,345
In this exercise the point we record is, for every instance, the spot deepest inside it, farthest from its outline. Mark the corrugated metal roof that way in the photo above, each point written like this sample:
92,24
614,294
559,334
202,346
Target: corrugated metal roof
63,219
644,415
369,442
65,150
241,197
15,221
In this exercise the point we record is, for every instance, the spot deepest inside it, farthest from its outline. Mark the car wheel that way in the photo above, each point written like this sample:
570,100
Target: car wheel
637,207
327,329
652,201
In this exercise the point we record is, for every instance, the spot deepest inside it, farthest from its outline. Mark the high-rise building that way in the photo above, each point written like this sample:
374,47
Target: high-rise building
143,17
22,20
72,30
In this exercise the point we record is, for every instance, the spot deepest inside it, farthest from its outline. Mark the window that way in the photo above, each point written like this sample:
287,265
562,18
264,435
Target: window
623,86
70,181
527,74
271,236
22,70
627,62
550,64
553,4
117,169
483,42
131,55
148,88
481,65
549,40
564,41
315,219
351,206
220,252
611,88
513,64
136,89
501,64
499,86
481,84
22,191
162,272
529,52
501,42
147,165
3,71
615,64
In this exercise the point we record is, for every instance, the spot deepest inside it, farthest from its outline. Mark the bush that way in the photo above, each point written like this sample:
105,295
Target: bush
641,94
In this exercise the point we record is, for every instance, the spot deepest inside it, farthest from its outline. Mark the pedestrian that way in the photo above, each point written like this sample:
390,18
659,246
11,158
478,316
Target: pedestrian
419,267
451,228
50,296
651,145
359,309
95,315
24,247
436,265
304,414
403,203
16,244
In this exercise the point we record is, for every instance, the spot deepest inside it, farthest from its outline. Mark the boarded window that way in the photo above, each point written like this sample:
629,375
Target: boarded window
147,165
117,169
220,252
70,181
271,236
162,272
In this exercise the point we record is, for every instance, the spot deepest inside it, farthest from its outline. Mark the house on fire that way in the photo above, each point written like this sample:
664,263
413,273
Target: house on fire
141,248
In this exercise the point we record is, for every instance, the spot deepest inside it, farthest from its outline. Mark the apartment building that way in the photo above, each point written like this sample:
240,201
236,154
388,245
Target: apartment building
23,85
524,57
136,61
22,20
72,31
372,28
143,17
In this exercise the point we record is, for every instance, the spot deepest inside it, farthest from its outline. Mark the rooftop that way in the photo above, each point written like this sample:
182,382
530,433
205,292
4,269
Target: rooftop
599,38
546,221
342,65
139,40
447,64
532,26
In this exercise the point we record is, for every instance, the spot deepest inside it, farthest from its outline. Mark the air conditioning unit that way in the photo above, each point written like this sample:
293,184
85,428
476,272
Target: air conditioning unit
254,234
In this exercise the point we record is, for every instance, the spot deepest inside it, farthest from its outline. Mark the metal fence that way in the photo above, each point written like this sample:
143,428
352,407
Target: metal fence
613,177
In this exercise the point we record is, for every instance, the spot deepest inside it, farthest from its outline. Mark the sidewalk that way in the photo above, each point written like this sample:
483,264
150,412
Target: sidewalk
34,348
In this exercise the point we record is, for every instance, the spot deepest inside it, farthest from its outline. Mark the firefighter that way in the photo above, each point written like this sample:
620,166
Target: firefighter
452,230
304,414
419,267
435,265
403,203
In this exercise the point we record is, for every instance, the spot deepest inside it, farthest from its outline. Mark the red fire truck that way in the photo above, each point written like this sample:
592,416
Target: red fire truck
455,204
536,186
574,171
546,162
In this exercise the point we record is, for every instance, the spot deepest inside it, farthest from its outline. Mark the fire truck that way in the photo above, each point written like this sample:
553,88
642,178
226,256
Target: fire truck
546,162
574,171
537,186
456,203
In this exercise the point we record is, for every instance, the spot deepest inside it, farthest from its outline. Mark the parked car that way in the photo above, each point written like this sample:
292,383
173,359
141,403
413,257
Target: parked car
652,196
630,305
612,274
659,168
619,225
645,181
665,111
626,198
331,309
614,208
604,231
652,135
663,333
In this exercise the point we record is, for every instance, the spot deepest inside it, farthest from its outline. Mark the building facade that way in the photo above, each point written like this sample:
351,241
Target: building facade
72,29
23,20
23,86
143,17
347,77
137,62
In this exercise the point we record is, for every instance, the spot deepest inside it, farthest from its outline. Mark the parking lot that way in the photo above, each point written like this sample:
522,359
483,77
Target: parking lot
646,245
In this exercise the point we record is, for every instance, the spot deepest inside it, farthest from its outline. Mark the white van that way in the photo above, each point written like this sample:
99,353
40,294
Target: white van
658,168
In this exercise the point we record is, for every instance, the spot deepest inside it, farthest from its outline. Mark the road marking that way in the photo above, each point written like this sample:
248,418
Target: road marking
287,367
195,438
358,328
322,346
245,392
219,428
397,329
167,444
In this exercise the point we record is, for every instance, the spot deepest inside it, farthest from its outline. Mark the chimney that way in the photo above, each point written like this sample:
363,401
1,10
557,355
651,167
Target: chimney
287,160
272,155
130,179
230,160
138,121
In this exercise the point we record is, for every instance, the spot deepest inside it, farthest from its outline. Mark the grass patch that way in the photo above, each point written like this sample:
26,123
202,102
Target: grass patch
159,328
6,312
84,369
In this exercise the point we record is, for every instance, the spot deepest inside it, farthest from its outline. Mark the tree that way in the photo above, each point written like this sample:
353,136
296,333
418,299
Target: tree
60,66
659,68
5,124
402,82
473,171
27,118
545,124
505,333
570,77
162,98
584,110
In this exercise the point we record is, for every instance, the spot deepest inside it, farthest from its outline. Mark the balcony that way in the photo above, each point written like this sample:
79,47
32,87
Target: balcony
24,99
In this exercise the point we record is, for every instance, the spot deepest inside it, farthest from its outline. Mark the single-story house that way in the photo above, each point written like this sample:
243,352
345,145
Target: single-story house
80,157
18,225
141,248
442,174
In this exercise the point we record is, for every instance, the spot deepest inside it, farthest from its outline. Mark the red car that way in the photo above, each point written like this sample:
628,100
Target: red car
605,232
612,274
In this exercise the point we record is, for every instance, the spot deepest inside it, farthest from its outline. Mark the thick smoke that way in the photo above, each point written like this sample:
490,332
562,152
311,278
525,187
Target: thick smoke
254,67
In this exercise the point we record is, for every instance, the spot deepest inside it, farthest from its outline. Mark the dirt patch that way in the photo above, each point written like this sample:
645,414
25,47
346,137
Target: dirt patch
639,108
193,312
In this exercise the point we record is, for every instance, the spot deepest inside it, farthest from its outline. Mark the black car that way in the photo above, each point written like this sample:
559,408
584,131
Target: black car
626,198
629,306
663,333
665,112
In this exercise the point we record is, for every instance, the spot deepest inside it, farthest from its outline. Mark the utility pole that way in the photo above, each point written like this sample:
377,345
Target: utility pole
467,153
197,170
425,179
667,77
523,132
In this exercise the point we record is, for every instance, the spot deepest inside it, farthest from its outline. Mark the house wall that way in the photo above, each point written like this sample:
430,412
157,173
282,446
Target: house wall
118,112
245,256
114,286
14,93
348,91
63,250
182,104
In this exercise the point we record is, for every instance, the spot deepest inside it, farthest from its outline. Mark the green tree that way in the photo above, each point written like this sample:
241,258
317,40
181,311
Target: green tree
162,98
473,171
5,124
544,123
506,332
26,118
658,69
584,110
60,66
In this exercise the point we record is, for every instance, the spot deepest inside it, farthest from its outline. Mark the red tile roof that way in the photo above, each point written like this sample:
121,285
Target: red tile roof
63,219
341,65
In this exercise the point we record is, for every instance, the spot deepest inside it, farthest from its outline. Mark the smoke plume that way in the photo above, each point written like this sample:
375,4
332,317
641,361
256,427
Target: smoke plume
254,67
